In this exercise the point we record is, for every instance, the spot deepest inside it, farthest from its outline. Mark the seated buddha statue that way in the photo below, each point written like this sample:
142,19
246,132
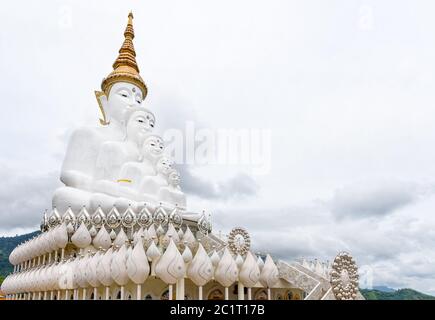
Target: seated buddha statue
79,166
121,89
150,185
114,154
134,171
172,193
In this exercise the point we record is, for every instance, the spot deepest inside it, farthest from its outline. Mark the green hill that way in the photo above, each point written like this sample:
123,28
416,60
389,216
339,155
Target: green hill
7,244
401,294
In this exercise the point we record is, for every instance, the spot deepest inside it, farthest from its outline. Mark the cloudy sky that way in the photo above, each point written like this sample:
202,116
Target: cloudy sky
346,89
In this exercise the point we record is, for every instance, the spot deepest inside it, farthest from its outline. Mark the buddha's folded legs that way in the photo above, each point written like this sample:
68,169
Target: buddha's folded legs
65,197
122,204
105,201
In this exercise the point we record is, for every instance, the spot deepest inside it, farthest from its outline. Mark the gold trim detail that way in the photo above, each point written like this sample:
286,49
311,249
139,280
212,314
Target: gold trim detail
98,95
125,67
124,180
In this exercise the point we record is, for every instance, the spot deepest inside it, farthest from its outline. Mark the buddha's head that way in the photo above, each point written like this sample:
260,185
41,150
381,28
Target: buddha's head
137,125
153,146
164,165
123,87
120,97
174,178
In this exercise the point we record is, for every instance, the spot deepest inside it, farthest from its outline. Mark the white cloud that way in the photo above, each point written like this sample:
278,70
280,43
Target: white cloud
238,187
24,197
373,198
396,247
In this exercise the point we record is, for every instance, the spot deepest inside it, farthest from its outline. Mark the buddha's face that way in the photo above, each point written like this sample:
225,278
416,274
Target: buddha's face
164,165
137,126
122,95
153,145
174,178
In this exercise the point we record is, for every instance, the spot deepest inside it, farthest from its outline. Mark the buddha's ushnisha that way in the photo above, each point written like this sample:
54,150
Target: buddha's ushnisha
125,68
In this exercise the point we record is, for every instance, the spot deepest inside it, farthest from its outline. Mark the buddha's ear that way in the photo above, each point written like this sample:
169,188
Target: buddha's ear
102,104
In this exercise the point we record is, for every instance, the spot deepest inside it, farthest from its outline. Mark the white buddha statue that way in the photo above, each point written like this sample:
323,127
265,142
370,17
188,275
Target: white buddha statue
134,171
121,89
172,193
114,154
150,185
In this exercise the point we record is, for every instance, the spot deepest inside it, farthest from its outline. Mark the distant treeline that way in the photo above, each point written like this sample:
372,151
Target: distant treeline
401,294
7,244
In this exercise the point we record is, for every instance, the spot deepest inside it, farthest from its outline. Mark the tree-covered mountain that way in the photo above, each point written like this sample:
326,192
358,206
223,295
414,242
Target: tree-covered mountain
401,294
384,288
7,244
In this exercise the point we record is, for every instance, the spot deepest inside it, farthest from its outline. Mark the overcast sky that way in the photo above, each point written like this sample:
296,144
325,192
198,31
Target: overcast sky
346,88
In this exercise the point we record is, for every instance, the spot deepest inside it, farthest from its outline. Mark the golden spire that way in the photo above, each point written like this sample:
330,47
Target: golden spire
125,67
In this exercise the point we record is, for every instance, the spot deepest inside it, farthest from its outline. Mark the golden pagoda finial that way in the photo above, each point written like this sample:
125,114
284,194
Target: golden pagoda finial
125,67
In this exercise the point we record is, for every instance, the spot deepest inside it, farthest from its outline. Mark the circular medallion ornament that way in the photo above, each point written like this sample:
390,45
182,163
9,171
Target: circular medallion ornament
98,218
344,277
160,216
83,217
145,218
239,241
69,217
54,219
128,218
113,219
203,225
175,218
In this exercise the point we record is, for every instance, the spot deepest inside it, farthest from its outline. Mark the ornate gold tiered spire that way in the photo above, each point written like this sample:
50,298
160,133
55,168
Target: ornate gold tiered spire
125,66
